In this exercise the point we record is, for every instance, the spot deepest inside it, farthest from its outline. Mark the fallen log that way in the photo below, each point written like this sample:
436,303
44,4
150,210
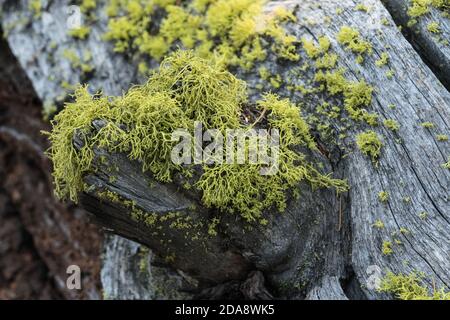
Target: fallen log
395,215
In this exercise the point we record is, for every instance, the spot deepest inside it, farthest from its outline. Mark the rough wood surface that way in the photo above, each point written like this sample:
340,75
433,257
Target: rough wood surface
431,46
323,246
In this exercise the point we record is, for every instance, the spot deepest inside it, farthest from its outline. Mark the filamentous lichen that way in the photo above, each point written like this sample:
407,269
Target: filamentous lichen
184,90
370,144
411,287
233,29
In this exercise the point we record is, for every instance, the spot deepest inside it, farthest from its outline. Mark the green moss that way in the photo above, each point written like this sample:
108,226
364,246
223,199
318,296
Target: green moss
327,61
357,94
411,287
140,123
370,144
144,256
419,8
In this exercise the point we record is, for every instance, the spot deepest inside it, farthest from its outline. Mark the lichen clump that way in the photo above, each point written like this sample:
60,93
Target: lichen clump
353,41
234,29
370,144
185,89
411,287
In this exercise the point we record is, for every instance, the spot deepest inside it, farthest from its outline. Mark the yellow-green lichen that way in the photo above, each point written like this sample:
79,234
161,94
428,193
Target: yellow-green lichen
353,41
379,224
428,125
411,287
185,89
447,164
384,59
232,29
370,144
36,8
391,124
383,196
386,248
434,27
80,33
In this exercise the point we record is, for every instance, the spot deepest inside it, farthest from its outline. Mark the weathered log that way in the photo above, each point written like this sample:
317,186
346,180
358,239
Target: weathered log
323,245
433,47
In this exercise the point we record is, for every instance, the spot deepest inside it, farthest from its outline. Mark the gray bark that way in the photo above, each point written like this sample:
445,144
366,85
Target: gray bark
323,245
432,47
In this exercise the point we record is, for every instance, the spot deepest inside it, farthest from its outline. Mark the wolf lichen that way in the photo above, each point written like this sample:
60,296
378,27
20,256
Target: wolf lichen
362,7
233,29
447,164
411,287
370,144
434,27
184,90
428,125
386,248
391,124
35,6
384,59
383,196
353,41
80,33
379,224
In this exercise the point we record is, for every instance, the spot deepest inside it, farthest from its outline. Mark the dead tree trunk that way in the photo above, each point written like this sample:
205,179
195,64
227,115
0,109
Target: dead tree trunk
324,246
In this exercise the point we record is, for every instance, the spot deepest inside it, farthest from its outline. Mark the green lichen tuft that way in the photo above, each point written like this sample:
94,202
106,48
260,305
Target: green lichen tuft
434,27
353,41
391,124
384,59
447,164
386,248
80,33
35,6
411,287
370,144
232,29
185,89
428,125
383,196
379,224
